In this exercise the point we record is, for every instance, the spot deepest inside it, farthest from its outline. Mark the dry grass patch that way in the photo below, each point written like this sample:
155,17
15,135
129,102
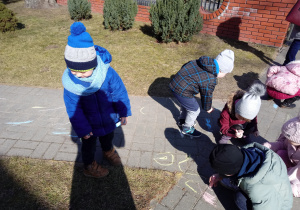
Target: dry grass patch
34,55
45,184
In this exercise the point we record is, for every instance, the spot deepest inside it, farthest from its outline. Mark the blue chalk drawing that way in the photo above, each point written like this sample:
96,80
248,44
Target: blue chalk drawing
208,124
275,106
18,123
60,133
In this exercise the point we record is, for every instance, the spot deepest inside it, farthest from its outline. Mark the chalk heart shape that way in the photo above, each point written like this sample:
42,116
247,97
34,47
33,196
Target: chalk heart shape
164,159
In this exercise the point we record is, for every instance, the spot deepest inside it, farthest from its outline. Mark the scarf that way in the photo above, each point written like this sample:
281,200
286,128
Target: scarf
86,86
253,159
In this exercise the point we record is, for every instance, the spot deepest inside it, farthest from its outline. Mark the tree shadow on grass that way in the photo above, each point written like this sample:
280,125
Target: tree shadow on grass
148,30
10,1
20,26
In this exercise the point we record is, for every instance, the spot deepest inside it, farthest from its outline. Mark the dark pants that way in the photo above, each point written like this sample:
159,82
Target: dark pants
242,201
292,52
88,148
290,100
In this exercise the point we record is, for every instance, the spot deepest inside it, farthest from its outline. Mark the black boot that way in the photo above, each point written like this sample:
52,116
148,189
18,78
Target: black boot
288,103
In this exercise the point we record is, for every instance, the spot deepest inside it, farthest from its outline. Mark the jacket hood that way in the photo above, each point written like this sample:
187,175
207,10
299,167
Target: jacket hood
209,65
104,54
265,168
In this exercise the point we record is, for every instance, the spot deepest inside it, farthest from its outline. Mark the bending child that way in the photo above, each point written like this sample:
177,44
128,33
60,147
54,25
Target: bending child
256,174
198,76
95,98
239,116
287,147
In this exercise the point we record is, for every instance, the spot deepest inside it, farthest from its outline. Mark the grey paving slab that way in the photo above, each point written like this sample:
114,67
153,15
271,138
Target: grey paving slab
173,197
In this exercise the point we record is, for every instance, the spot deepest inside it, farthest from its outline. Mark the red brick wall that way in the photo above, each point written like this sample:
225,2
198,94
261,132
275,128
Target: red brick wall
258,21
97,6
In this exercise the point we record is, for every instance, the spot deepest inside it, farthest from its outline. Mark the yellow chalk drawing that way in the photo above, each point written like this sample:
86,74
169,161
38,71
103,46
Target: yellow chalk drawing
186,183
165,157
187,159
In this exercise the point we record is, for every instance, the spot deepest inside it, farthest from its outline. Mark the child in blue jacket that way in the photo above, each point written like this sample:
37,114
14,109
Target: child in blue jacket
95,98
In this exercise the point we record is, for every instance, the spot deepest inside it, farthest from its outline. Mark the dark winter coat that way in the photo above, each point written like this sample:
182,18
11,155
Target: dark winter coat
269,188
197,76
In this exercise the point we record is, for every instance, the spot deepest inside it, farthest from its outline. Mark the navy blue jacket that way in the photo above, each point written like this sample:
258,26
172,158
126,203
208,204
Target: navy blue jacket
100,111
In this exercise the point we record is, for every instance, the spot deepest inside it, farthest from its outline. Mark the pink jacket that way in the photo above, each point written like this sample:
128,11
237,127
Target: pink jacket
294,157
285,79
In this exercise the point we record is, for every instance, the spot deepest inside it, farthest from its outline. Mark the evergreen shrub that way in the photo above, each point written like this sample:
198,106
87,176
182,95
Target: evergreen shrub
119,14
8,21
175,20
79,9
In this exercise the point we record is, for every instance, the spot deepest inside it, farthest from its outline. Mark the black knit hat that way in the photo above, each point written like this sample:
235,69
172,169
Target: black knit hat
226,159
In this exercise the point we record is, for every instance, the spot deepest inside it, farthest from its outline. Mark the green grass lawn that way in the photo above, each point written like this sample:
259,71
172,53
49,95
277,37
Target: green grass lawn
34,55
44,184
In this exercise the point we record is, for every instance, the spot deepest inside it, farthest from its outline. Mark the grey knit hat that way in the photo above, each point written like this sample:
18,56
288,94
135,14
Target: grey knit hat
291,129
248,106
226,61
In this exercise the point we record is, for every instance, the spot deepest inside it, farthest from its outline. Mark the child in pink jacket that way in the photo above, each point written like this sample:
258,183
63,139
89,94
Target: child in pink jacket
283,82
288,148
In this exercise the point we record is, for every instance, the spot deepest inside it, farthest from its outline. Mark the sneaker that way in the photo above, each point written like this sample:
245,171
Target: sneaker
95,170
288,106
113,157
229,184
181,122
190,131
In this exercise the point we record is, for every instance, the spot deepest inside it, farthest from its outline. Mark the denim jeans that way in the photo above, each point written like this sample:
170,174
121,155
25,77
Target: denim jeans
292,52
88,148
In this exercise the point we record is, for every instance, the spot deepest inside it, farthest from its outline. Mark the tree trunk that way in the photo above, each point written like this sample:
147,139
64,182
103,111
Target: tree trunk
39,4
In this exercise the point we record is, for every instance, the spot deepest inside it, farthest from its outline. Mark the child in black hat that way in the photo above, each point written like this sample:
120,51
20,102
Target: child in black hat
258,176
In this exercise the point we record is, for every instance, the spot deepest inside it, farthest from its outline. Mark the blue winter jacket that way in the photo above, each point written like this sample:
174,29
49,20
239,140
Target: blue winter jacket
100,111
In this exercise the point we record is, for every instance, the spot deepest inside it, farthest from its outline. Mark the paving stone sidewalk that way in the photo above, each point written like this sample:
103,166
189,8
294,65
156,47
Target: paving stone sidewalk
34,124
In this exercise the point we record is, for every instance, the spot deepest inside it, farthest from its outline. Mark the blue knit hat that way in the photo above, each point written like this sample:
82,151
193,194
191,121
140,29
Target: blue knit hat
80,53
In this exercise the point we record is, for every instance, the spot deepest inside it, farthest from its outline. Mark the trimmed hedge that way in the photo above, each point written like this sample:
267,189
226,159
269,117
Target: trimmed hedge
176,20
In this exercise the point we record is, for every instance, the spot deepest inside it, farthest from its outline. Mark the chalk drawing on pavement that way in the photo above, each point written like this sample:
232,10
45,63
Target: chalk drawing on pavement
208,124
164,159
180,168
209,198
189,185
275,106
46,110
141,110
167,159
60,133
38,107
19,123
